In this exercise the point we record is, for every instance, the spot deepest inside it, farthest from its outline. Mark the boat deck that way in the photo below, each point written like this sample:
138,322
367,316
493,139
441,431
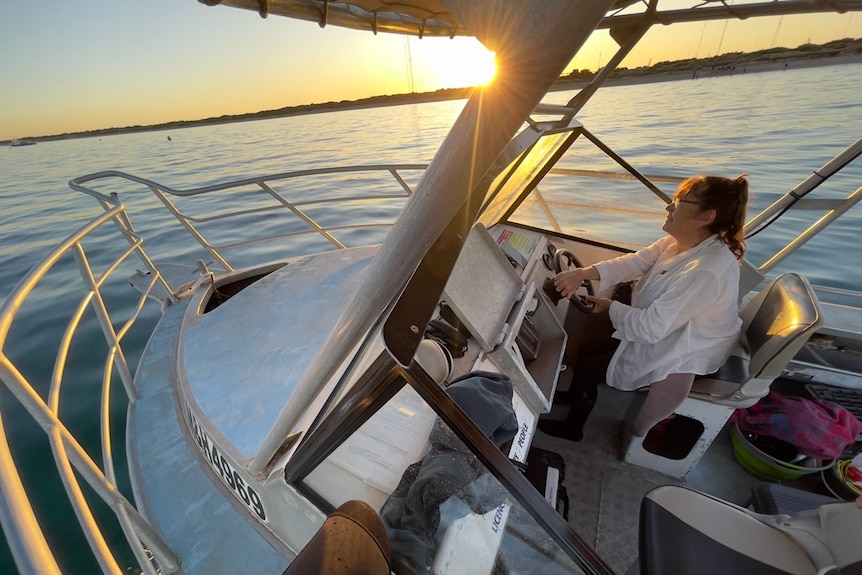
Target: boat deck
605,493
172,490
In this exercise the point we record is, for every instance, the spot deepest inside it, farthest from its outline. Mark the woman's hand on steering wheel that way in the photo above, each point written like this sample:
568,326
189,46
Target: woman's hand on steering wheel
600,304
568,282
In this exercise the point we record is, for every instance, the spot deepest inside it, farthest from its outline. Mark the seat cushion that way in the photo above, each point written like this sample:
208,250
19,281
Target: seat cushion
684,531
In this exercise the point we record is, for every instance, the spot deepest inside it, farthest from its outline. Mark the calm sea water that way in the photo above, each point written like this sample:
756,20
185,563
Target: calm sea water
778,127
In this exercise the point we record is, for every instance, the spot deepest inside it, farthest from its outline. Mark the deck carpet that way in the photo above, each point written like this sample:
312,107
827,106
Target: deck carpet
617,533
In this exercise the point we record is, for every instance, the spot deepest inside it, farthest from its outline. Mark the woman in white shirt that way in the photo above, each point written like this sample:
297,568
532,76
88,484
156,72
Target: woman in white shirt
683,319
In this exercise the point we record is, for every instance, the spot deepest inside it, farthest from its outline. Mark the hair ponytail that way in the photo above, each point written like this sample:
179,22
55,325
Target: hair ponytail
729,198
735,236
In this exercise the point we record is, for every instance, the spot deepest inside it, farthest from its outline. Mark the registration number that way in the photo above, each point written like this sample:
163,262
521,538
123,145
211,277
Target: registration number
220,465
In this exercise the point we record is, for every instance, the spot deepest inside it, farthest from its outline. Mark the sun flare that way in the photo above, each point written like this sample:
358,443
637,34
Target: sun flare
469,68
455,63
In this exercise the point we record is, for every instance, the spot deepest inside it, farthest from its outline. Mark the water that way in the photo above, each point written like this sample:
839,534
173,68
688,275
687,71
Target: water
778,127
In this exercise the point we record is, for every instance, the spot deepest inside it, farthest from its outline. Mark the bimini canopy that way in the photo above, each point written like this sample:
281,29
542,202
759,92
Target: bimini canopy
413,17
436,17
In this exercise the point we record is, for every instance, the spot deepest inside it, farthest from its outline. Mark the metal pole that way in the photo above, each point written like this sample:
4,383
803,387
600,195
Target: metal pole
808,184
534,41
23,533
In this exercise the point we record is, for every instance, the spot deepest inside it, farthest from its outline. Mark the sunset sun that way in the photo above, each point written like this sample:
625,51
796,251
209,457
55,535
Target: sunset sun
454,63
468,68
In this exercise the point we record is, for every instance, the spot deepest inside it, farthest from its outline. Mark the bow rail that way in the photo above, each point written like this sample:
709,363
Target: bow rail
101,256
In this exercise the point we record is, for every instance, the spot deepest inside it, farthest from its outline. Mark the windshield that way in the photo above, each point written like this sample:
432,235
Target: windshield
568,182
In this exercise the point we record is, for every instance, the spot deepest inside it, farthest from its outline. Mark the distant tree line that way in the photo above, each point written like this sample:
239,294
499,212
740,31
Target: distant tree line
730,59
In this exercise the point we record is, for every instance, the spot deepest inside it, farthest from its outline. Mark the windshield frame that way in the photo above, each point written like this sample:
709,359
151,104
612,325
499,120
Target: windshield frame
378,384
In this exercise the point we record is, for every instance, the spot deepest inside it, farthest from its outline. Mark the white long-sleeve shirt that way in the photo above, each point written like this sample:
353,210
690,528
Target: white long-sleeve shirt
684,316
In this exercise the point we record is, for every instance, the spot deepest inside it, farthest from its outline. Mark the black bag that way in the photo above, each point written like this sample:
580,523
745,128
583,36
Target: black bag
546,471
447,336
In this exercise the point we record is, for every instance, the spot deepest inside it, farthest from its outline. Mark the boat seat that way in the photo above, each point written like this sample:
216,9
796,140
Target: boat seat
685,531
776,324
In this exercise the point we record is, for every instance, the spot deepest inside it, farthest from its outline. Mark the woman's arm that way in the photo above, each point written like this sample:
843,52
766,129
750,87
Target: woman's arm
610,272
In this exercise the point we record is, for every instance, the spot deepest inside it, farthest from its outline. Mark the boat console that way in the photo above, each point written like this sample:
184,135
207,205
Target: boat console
513,325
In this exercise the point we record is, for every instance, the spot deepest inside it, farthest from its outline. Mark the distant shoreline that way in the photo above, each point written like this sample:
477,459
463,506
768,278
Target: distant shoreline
704,72
695,72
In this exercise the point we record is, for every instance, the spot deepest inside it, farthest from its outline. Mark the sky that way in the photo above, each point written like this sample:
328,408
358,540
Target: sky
75,65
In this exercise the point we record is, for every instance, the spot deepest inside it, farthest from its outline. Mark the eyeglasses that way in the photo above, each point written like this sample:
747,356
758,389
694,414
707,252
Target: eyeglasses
677,201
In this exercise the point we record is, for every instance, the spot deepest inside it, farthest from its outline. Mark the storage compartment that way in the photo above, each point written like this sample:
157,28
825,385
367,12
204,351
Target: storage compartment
536,379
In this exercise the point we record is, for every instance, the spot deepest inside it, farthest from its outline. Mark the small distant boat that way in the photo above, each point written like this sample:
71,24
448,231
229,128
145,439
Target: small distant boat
18,143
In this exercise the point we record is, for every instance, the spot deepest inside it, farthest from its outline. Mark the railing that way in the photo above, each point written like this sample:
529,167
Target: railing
26,538
20,525
795,199
260,196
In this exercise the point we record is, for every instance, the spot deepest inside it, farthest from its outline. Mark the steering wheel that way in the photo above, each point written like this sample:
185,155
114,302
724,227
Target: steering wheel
579,301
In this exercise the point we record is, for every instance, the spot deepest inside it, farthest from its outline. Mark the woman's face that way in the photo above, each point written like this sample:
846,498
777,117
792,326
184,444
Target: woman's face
686,215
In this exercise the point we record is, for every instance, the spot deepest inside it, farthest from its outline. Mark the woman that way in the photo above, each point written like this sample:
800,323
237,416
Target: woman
683,319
